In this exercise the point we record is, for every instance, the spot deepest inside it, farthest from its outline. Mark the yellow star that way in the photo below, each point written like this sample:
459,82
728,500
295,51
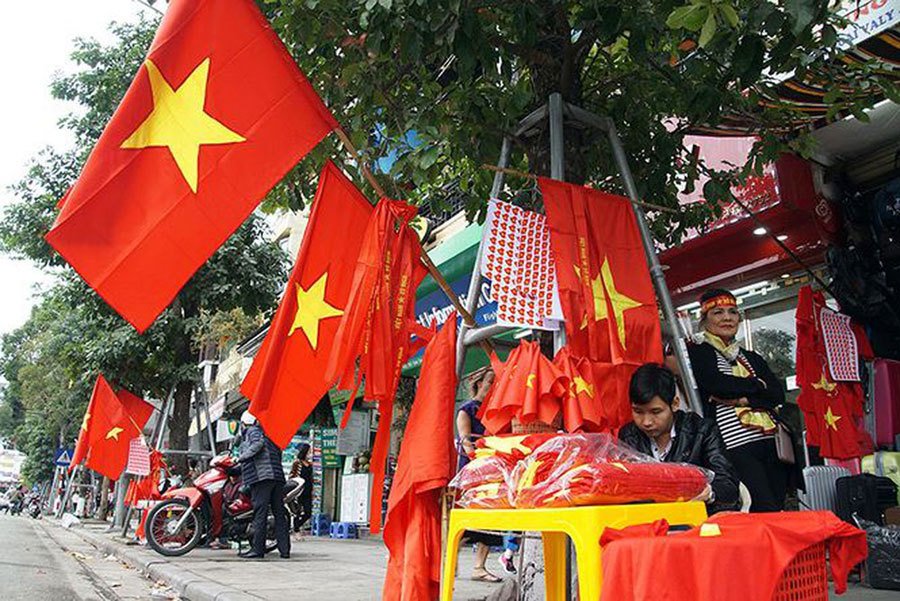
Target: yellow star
529,381
179,121
114,433
605,284
313,308
831,419
581,385
84,421
824,384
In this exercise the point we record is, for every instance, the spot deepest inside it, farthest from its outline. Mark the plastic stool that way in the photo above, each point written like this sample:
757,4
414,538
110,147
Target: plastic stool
343,530
583,525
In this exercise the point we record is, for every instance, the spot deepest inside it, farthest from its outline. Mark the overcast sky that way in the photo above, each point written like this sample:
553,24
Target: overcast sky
35,42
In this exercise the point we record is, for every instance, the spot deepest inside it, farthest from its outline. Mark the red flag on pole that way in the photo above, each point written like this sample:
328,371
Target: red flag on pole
287,377
412,532
605,288
110,422
216,115
377,325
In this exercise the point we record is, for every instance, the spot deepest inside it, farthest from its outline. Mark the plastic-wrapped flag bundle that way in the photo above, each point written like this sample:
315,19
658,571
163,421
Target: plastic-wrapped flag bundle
577,469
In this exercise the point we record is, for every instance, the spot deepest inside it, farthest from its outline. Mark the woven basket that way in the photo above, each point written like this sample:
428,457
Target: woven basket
804,579
537,427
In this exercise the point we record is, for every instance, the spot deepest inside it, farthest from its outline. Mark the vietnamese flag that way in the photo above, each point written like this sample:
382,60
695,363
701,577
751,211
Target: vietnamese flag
582,409
412,532
527,388
287,377
604,283
110,422
215,116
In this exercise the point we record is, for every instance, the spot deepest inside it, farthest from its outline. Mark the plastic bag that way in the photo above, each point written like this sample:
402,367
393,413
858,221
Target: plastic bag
595,469
883,562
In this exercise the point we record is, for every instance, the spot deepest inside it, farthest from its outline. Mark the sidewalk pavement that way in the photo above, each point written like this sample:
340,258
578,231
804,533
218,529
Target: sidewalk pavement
319,568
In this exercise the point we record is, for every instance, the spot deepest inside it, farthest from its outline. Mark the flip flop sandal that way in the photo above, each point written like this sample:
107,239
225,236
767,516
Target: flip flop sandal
486,577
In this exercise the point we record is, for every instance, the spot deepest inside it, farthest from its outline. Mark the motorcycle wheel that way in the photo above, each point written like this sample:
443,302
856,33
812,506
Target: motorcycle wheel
162,518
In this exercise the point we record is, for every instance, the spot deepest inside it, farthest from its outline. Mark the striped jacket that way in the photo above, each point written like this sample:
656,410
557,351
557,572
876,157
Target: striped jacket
260,458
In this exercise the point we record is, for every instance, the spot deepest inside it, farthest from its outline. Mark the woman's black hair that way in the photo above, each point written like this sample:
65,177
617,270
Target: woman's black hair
302,451
713,293
649,381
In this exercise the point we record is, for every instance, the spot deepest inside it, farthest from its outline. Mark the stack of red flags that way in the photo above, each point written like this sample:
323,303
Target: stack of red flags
110,422
605,289
832,410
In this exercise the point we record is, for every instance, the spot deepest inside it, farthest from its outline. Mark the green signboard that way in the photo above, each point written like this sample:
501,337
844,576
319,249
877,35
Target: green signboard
327,441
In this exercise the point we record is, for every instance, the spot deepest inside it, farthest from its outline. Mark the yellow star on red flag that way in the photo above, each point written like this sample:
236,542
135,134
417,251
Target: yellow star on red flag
312,308
114,433
604,285
179,121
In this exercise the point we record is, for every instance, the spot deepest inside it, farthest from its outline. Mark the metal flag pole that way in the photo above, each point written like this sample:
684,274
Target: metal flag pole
68,494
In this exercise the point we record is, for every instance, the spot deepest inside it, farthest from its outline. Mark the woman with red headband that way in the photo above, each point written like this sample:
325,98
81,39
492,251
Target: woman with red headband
741,394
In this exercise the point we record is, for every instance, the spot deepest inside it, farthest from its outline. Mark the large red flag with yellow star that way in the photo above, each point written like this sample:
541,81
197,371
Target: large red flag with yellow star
605,288
216,115
287,377
110,422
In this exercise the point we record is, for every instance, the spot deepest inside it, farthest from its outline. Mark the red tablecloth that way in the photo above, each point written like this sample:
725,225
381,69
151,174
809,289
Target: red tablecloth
744,562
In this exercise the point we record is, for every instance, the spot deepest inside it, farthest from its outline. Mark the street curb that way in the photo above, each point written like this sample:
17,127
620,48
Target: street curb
189,585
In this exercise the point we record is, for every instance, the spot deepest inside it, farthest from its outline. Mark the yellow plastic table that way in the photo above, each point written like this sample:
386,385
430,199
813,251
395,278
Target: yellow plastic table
583,525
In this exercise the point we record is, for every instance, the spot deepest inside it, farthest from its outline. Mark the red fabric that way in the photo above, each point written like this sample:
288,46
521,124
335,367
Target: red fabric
749,556
589,482
377,325
107,429
657,528
132,226
287,378
605,289
833,411
582,408
412,532
527,387
147,488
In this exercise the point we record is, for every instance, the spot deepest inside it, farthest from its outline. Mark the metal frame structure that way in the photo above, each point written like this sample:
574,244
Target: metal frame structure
557,111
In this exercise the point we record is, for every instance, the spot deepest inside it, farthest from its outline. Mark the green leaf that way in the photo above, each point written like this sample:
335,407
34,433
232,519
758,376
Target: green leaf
832,95
694,20
748,59
891,92
429,157
802,11
677,17
709,30
859,113
730,14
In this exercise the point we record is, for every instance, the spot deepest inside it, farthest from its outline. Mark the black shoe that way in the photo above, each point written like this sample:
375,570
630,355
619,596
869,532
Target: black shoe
251,555
285,555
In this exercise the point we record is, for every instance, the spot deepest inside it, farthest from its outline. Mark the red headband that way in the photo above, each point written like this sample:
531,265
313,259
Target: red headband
723,300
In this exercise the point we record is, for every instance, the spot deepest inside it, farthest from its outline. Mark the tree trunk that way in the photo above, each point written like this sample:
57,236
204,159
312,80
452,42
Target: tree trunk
104,499
555,65
180,424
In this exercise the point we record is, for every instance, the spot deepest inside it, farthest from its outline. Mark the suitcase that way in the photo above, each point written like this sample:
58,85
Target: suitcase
865,496
883,563
884,463
886,402
820,487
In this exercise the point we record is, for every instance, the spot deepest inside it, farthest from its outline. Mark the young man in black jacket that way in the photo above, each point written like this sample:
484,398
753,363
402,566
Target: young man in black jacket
668,435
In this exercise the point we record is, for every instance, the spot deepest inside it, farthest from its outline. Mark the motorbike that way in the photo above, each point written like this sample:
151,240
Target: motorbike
215,507
33,506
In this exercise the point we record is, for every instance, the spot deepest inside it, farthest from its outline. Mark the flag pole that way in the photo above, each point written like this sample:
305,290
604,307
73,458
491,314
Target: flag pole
426,260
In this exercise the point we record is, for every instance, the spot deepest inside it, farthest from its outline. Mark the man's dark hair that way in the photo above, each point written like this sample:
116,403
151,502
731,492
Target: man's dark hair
649,381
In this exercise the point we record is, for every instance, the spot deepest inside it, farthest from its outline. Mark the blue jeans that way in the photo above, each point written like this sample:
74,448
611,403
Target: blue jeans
511,542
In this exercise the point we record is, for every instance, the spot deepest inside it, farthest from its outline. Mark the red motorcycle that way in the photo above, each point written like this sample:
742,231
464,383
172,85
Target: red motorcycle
215,505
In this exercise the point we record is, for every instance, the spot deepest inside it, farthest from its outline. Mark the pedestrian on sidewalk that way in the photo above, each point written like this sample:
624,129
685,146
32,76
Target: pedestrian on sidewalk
261,470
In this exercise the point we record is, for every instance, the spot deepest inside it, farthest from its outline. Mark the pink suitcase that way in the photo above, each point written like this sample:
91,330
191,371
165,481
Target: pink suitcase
886,402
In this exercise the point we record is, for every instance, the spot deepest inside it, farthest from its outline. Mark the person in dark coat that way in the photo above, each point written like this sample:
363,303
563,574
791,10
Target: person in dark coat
742,395
261,470
662,432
